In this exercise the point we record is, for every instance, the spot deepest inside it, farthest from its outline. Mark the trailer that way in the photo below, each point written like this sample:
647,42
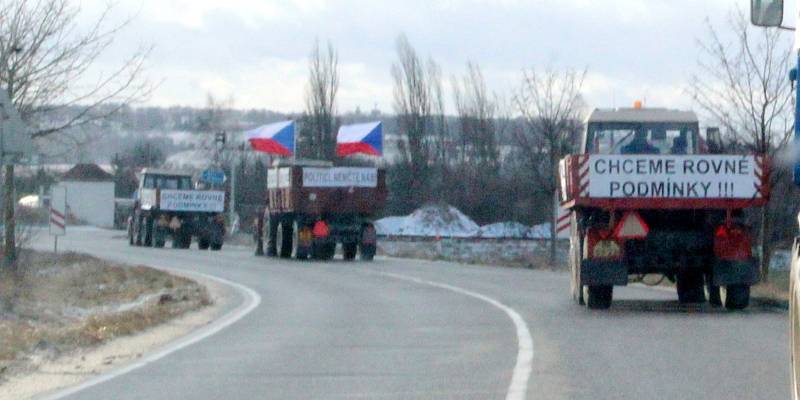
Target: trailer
646,197
312,206
169,206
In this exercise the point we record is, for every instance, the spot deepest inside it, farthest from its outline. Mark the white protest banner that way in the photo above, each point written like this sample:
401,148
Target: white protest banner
192,200
672,176
340,177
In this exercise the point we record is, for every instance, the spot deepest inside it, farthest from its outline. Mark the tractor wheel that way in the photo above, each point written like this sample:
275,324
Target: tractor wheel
690,287
575,248
736,297
598,297
300,253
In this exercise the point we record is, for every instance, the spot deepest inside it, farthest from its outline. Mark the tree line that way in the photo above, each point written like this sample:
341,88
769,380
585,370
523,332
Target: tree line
493,155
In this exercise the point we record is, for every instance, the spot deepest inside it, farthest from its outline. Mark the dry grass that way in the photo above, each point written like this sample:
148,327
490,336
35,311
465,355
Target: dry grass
57,304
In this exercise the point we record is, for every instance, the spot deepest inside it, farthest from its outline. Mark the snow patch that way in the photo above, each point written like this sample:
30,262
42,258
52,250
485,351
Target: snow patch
448,221
430,220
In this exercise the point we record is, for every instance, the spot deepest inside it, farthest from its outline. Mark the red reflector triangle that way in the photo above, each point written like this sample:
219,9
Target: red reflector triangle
632,226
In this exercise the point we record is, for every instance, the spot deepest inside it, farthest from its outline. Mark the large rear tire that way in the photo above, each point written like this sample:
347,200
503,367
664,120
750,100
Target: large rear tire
298,252
794,320
690,287
736,297
575,248
598,297
270,231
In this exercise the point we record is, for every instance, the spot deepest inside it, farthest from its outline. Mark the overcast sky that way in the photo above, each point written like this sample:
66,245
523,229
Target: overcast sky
255,51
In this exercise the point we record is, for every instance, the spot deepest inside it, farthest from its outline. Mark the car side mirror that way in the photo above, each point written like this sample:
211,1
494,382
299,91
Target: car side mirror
766,13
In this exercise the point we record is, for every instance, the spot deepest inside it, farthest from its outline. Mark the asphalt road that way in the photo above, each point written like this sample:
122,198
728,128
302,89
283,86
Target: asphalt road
407,329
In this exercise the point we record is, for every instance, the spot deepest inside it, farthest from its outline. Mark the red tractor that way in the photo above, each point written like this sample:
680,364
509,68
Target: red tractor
646,197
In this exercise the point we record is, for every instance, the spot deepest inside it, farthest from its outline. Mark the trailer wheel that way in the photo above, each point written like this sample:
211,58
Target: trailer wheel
366,251
349,250
712,292
300,253
203,242
690,287
216,246
736,297
575,248
270,230
283,240
598,297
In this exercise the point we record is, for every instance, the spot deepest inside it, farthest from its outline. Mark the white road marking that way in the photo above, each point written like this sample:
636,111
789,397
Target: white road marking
518,388
251,301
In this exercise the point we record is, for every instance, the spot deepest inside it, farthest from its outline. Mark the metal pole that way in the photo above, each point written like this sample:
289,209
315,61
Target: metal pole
232,210
55,244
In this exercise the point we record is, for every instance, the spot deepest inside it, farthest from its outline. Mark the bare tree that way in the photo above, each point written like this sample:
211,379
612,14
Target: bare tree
417,97
477,109
550,106
743,86
44,59
439,130
319,128
476,153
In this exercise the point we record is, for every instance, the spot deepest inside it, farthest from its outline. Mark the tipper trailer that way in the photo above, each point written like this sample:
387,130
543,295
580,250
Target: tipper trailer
312,206
168,205
646,197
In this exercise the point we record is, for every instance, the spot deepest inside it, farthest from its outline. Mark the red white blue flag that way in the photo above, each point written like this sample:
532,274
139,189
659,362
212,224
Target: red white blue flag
360,138
277,138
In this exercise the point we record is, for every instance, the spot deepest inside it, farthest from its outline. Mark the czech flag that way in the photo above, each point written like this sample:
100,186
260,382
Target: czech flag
360,138
277,138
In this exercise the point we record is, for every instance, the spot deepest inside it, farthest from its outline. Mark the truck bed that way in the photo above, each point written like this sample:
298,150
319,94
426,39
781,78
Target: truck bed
663,181
321,190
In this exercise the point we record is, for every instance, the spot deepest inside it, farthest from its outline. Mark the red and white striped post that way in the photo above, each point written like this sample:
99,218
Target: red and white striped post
58,214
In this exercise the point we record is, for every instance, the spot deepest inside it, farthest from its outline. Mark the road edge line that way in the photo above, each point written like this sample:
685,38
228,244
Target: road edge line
518,388
251,301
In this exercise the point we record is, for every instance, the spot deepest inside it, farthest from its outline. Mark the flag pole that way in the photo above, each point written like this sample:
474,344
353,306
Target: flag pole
294,138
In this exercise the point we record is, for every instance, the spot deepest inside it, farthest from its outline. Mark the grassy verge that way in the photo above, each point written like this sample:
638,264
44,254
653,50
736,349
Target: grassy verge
57,304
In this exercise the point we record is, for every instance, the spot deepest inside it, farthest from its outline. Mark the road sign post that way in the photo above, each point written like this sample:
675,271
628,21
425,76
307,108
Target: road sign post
58,214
